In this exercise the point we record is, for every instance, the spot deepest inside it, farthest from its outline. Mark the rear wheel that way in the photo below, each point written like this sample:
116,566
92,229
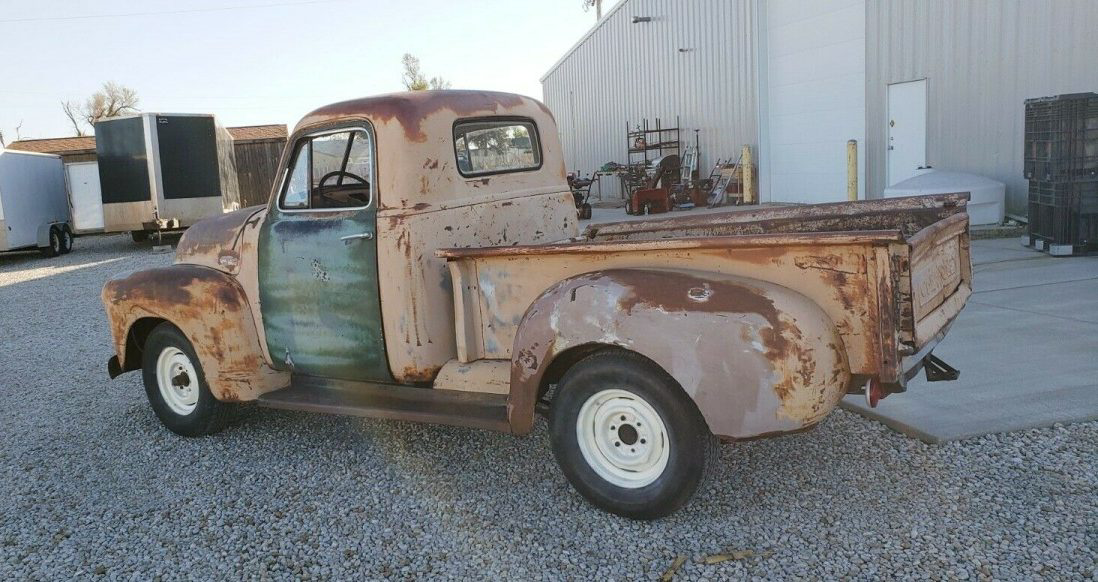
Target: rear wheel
54,247
139,236
65,236
176,386
627,437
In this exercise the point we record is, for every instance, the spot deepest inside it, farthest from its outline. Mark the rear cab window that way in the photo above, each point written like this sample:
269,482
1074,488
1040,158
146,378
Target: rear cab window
496,146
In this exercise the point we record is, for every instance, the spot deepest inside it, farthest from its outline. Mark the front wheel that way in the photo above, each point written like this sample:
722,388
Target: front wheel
627,437
176,386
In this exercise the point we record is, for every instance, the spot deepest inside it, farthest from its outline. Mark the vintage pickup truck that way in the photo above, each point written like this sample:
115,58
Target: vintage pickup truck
420,259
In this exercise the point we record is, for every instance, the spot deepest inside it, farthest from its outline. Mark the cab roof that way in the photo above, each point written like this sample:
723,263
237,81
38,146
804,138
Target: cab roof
416,163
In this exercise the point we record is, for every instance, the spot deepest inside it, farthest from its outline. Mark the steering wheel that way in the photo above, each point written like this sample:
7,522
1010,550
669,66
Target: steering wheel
336,173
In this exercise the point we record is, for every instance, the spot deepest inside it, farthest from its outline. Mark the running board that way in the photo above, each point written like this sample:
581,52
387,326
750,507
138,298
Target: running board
453,407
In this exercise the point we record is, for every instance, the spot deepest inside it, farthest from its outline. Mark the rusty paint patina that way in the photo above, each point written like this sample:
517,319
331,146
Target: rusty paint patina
211,310
755,357
321,307
765,317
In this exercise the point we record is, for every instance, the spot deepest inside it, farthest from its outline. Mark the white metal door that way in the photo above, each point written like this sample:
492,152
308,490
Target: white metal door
84,196
906,129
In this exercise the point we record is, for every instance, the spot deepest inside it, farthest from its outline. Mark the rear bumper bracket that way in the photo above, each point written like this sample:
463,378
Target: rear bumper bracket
939,371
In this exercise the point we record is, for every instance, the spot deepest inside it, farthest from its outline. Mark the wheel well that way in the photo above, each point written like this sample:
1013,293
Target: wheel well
135,340
570,357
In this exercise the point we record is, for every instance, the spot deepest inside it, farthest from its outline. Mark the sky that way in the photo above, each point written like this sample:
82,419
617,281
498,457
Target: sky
254,62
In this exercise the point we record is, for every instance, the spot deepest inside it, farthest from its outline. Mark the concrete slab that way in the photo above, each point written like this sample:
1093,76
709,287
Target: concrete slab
1026,345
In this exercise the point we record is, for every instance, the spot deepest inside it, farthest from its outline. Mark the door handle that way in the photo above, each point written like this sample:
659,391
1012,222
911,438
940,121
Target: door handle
365,235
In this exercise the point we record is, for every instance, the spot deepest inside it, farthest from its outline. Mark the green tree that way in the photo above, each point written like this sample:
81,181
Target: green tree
414,79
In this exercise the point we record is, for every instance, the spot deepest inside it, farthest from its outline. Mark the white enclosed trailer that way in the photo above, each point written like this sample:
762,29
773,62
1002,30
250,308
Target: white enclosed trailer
164,171
34,209
85,199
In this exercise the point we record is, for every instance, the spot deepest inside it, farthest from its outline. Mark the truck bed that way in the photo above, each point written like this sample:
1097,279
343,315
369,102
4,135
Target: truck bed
892,274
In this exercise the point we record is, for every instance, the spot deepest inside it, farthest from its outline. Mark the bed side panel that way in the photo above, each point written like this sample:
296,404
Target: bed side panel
835,277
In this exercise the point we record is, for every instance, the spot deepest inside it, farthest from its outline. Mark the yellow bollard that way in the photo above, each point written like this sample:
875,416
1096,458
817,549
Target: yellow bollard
852,170
748,176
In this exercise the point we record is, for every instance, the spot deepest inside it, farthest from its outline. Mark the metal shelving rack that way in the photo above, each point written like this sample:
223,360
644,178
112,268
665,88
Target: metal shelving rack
639,141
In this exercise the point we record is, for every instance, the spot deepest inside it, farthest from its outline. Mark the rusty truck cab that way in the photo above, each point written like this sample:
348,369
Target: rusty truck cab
345,282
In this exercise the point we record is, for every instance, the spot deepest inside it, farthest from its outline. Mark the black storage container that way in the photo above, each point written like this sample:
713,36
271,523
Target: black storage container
1061,138
1063,216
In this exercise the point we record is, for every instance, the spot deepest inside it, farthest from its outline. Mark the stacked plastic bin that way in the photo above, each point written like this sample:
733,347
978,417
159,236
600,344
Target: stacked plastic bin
1061,164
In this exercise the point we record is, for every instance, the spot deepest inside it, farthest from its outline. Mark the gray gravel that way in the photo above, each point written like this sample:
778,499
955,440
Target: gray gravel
92,486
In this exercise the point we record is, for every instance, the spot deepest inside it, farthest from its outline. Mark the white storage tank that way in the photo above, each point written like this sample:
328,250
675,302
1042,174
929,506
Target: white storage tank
987,204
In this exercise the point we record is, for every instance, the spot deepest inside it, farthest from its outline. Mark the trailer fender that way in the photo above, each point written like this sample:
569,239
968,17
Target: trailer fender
212,311
42,234
755,357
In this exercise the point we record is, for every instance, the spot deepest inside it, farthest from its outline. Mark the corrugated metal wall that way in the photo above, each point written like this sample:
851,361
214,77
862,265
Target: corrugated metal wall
981,59
625,72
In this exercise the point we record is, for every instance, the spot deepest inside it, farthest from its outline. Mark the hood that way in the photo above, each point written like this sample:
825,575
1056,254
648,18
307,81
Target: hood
216,242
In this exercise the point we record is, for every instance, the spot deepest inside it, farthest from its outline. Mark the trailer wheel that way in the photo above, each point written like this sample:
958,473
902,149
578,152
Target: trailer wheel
627,437
65,236
54,247
139,236
176,386
585,211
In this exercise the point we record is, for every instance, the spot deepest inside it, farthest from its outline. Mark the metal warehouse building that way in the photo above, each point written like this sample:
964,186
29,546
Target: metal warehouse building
915,82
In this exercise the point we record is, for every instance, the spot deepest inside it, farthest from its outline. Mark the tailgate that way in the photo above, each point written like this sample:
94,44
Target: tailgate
941,277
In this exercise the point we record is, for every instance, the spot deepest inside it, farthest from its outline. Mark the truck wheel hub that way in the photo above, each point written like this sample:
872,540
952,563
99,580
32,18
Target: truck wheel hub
622,438
175,377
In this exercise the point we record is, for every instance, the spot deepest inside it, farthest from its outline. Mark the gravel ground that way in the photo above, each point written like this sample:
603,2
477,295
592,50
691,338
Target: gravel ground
92,486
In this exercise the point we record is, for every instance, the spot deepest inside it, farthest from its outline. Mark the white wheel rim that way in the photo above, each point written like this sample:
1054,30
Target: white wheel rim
622,438
177,380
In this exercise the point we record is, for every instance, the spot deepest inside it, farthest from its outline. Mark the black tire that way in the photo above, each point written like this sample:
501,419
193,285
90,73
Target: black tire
139,236
690,443
54,247
585,211
66,238
209,415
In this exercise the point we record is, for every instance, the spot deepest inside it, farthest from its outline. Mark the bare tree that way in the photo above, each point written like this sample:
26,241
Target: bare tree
111,100
75,115
413,77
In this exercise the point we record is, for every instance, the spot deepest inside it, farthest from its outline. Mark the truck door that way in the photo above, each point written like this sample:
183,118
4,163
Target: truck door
318,282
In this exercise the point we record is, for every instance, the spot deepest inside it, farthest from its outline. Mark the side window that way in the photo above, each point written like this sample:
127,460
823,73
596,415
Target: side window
331,171
494,146
297,188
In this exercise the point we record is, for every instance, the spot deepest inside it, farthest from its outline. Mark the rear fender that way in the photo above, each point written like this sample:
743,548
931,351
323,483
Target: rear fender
212,311
756,358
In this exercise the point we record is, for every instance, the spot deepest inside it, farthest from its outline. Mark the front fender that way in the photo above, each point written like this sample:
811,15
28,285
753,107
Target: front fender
212,311
755,357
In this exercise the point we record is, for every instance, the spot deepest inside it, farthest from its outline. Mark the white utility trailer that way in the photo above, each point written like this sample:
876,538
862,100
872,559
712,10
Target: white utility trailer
34,209
164,171
85,199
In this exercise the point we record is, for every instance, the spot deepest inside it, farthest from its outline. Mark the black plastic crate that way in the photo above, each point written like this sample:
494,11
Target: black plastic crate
1061,138
1064,214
